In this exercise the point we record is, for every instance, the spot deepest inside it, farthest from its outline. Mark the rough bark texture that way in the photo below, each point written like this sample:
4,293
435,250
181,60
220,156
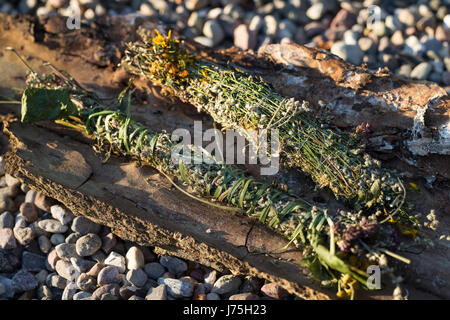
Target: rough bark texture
139,205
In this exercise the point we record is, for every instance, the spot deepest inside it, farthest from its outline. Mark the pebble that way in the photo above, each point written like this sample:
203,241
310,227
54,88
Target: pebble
244,296
195,4
44,244
87,283
158,293
66,251
11,181
174,265
73,237
8,287
69,291
41,276
43,202
214,31
52,226
52,258
244,38
212,296
421,71
24,235
397,38
350,53
56,281
135,258
29,211
117,260
33,262
11,191
406,17
270,26
108,275
81,295
111,289
81,265
5,262
7,240
95,270
6,203
178,288
108,242
6,220
57,238
366,44
227,284
210,277
24,281
154,270
66,270
136,277
256,23
316,11
84,226
274,291
61,214
88,244
30,196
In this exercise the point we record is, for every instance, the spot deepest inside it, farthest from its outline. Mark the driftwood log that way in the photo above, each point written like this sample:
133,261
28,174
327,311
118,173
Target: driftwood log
408,120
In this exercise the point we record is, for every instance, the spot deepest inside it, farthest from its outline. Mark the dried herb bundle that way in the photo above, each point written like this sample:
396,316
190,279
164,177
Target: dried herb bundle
58,97
241,102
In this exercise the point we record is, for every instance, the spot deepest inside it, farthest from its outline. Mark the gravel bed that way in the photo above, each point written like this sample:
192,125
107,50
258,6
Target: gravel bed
48,253
411,38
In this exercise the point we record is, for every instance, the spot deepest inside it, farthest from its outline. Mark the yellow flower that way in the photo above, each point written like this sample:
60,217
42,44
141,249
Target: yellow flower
159,39
414,186
340,294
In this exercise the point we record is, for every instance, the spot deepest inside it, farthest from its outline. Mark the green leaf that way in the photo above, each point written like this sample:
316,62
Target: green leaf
46,104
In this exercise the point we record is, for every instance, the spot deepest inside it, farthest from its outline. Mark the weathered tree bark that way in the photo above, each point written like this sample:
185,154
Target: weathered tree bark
139,205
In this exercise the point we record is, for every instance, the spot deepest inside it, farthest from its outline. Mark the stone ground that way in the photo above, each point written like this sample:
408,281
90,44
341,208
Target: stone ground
48,253
411,38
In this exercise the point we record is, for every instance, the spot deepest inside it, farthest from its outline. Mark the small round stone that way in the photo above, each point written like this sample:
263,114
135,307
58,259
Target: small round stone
89,244
66,270
6,220
29,211
24,235
421,71
86,282
57,238
7,240
66,251
116,260
44,244
158,293
154,270
24,281
135,258
227,284
136,277
84,226
61,214
214,31
178,288
52,226
33,262
173,264
108,275
212,296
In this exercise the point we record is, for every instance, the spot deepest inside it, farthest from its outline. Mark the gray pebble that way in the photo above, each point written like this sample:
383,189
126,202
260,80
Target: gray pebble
69,291
136,277
88,244
173,264
7,240
24,235
24,281
57,238
135,258
116,260
158,293
111,289
227,284
82,265
81,295
73,237
86,282
178,288
41,276
316,11
84,226
214,31
6,220
108,275
212,296
8,287
52,226
66,270
66,251
56,281
154,270
421,71
61,214
33,262
350,53
11,181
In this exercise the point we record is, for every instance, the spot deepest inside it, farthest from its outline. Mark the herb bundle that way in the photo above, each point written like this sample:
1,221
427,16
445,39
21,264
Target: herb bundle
58,97
241,102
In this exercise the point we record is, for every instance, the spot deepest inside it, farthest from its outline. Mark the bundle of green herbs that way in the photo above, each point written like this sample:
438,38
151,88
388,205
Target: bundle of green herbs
337,248
239,101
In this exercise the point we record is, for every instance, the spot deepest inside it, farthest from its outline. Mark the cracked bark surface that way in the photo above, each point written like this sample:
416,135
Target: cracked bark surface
140,205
